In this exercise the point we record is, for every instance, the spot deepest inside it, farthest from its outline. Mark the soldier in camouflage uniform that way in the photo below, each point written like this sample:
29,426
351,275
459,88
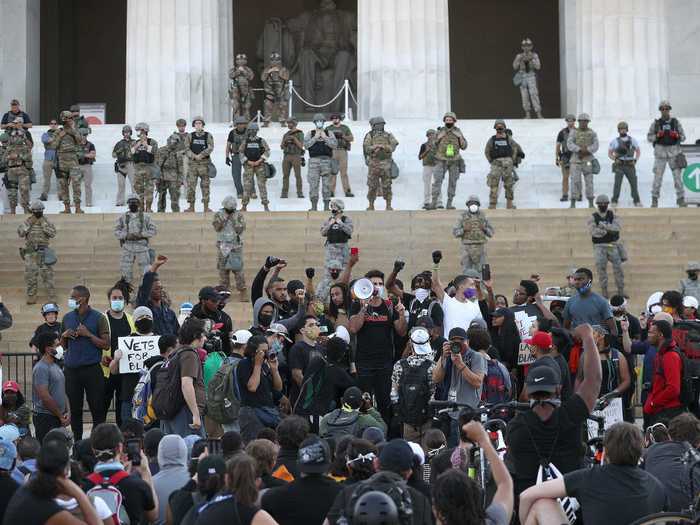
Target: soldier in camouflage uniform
427,156
474,229
378,147
144,152
275,78
67,143
240,91
448,141
4,140
691,284
582,143
605,228
200,145
236,137
255,151
320,144
37,231
81,123
666,134
181,132
229,224
527,64
172,173
293,147
19,165
569,290
124,163
333,269
133,230
501,151
344,137
338,231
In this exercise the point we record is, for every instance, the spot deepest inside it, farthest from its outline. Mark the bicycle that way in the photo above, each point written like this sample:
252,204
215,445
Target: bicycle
594,445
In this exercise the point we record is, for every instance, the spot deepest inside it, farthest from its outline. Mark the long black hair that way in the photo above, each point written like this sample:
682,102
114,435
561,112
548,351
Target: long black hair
52,463
507,337
332,307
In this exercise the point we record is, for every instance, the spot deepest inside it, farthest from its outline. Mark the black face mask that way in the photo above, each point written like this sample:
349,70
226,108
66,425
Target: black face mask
449,124
334,274
693,276
38,214
133,208
265,319
144,326
603,208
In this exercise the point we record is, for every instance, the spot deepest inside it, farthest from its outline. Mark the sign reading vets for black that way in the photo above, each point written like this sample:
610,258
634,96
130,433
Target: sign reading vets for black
135,350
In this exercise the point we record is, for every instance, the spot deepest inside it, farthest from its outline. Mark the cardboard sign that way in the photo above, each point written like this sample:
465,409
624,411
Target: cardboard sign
524,323
525,355
613,413
135,350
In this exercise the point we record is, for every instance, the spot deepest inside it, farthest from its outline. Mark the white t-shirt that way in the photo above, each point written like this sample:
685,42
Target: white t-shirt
459,314
101,507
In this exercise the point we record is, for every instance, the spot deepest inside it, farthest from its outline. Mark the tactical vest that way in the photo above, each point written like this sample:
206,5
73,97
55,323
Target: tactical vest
319,148
170,162
36,238
69,143
228,233
123,151
583,138
18,152
253,149
564,152
667,126
83,160
336,235
609,237
198,143
473,226
448,144
380,138
340,132
144,157
429,157
290,148
624,147
501,148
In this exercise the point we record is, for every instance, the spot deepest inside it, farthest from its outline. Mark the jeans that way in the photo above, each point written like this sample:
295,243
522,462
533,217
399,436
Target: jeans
85,381
180,424
113,388
377,382
43,423
124,410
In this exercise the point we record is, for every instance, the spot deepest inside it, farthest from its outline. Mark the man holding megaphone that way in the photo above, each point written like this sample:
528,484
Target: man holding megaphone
374,320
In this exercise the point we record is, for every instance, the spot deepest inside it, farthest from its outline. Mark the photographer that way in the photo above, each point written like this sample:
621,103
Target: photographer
460,372
260,386
210,307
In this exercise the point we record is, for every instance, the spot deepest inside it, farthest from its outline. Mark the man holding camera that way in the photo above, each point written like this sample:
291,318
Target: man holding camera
209,308
460,373
229,224
320,144
338,231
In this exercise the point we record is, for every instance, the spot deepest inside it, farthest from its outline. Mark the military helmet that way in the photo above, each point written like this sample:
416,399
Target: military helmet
181,122
664,104
319,116
602,199
430,132
570,116
65,115
142,126
200,118
337,204
126,129
173,139
473,199
229,202
4,137
75,108
499,121
584,116
253,126
377,120
526,42
132,197
337,115
36,205
449,114
693,266
623,125
240,119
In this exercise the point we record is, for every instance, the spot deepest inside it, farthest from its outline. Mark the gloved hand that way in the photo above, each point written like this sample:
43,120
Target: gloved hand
660,134
271,261
228,161
310,272
675,135
437,257
398,265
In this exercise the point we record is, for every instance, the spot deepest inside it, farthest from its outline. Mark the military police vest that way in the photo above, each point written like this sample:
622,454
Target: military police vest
609,237
198,143
667,126
253,149
142,156
336,235
320,148
501,147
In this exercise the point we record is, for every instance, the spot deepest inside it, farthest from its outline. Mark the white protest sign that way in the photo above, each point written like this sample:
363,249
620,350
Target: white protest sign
525,355
524,322
612,413
135,350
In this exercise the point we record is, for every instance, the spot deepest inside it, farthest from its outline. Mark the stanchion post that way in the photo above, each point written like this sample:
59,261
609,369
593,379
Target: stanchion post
291,97
347,98
258,117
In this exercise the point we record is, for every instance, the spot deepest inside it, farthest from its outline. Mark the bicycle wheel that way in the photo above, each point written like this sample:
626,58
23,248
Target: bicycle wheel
667,518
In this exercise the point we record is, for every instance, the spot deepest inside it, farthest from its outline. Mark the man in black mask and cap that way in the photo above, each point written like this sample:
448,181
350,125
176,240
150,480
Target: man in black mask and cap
210,307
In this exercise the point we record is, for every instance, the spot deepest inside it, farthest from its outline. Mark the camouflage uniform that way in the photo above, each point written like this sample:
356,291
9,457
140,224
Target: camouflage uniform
254,148
528,63
378,147
240,90
691,286
292,159
275,78
124,165
134,231
344,138
429,161
229,227
235,153
199,148
501,153
19,165
172,172
144,154
605,233
581,165
337,235
37,232
448,142
474,230
667,136
320,146
324,286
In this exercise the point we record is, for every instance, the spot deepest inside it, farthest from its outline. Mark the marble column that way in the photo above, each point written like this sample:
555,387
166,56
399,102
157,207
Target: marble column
178,53
622,57
403,63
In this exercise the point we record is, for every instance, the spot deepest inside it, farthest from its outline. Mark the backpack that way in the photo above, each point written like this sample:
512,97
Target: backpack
342,423
212,364
223,394
167,399
398,491
494,390
414,313
414,393
142,400
106,489
690,373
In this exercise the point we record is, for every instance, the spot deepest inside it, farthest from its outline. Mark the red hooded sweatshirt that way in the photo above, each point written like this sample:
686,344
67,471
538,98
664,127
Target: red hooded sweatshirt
666,383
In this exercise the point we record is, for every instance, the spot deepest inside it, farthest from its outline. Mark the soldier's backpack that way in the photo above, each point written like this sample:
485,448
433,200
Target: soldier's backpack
106,489
223,393
414,393
342,423
167,399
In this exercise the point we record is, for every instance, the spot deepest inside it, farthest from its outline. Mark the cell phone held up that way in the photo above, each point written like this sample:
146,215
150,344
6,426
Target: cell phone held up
486,272
133,451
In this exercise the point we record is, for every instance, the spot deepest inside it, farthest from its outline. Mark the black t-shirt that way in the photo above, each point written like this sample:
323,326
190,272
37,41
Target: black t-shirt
28,509
375,348
615,494
8,487
530,309
558,441
566,389
317,492
225,509
262,397
117,328
136,494
181,501
45,328
10,116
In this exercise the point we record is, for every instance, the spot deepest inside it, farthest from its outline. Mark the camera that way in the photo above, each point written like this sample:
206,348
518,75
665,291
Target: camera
212,341
455,347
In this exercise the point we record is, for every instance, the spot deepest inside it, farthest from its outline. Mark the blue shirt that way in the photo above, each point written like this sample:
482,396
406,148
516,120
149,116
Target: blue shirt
590,308
81,351
21,477
49,153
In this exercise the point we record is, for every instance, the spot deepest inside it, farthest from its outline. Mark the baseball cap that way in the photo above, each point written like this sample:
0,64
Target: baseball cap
335,264
478,322
374,435
690,302
499,312
241,337
663,316
457,332
9,433
8,454
396,456
208,292
541,379
352,397
10,386
279,329
314,456
341,333
420,337
143,312
210,466
541,340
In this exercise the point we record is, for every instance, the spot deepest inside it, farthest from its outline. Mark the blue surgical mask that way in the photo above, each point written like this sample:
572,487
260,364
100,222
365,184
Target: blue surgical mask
72,304
276,346
585,288
117,305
